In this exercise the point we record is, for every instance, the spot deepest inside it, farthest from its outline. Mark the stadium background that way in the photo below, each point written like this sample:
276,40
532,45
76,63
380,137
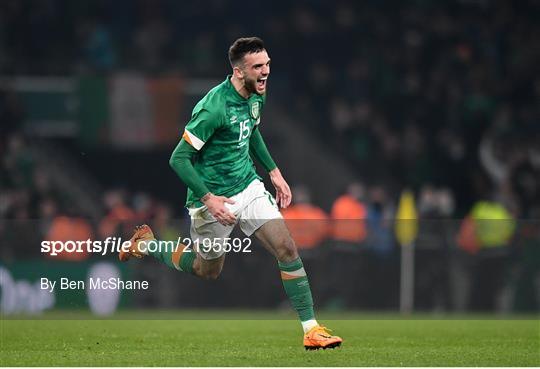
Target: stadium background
439,98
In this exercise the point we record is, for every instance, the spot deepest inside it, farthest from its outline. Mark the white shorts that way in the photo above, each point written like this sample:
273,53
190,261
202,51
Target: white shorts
253,207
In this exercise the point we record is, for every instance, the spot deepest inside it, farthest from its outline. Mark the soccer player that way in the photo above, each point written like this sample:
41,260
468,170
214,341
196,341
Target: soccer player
213,159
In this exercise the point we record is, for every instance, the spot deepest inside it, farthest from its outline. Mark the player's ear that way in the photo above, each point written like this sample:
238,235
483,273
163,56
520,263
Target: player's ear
237,72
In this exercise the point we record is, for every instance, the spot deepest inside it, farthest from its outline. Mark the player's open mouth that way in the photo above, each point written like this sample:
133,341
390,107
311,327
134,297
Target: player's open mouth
261,82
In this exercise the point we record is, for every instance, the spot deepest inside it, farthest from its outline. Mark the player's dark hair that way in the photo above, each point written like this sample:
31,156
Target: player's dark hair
243,46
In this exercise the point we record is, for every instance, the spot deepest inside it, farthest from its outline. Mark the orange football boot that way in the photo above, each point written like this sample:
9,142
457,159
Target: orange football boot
142,233
319,337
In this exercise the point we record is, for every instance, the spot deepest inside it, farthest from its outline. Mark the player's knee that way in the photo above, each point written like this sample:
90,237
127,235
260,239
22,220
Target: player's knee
286,252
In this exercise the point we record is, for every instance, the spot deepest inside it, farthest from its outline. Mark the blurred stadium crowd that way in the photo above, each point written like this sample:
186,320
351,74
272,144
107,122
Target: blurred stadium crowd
440,97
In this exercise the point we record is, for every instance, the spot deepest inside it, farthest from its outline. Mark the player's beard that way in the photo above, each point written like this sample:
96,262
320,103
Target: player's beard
251,86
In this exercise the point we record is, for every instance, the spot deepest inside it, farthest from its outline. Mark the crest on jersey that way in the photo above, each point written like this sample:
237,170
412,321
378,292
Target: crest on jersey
255,110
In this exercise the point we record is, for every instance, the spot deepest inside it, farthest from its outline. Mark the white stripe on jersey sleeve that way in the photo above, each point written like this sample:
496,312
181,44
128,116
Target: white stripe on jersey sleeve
194,140
258,121
298,273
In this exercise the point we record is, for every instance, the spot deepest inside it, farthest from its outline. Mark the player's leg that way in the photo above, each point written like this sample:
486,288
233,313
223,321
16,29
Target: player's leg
143,242
208,269
206,263
262,218
208,237
276,238
188,260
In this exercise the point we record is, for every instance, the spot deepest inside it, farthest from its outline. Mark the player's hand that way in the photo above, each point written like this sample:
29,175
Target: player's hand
216,207
283,191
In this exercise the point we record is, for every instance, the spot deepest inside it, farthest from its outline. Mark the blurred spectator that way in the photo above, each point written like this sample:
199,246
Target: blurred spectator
494,224
165,227
488,225
48,210
120,219
151,41
97,46
486,232
433,249
349,214
349,230
435,203
19,163
143,206
380,238
379,221
307,223
70,228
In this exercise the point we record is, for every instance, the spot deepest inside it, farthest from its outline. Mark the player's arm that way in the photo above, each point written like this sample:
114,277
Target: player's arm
181,162
259,151
202,125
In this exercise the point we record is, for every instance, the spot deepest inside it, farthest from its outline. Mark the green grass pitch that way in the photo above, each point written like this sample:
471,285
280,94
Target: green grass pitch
265,339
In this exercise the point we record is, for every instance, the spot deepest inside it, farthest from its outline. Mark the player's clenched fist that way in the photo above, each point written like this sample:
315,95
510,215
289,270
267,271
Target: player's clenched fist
216,207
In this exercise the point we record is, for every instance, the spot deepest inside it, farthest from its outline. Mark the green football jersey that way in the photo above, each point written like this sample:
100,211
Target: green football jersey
219,129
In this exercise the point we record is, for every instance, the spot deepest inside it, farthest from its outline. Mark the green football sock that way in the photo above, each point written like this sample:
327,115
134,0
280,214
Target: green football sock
180,258
296,286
